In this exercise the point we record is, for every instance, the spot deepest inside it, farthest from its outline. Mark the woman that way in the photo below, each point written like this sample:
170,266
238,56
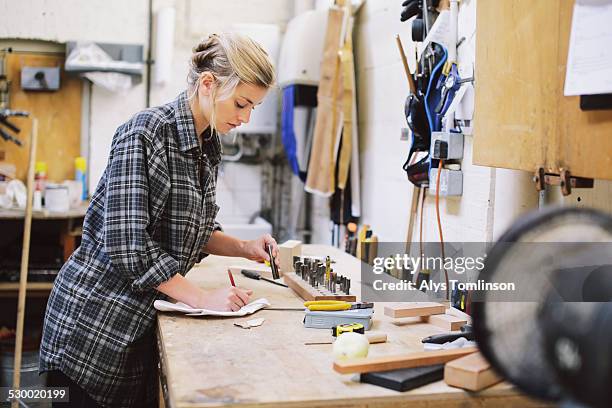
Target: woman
150,220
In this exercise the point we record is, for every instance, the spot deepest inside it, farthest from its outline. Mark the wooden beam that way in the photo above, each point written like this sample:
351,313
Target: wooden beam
444,321
414,309
418,359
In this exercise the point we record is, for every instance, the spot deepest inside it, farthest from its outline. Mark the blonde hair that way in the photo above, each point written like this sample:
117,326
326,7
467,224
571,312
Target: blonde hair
232,59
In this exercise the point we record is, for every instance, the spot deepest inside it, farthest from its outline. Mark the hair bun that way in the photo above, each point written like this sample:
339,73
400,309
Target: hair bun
205,44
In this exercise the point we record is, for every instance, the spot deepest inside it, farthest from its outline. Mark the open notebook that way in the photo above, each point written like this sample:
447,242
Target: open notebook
165,306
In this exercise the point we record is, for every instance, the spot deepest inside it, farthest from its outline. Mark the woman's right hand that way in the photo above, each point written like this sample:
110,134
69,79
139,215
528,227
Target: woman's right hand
225,299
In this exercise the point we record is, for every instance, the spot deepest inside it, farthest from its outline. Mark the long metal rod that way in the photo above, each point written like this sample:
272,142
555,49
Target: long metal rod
25,254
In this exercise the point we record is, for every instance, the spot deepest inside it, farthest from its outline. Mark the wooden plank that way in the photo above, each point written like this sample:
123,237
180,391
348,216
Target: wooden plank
31,286
17,214
373,338
471,372
288,250
521,56
307,292
444,321
418,359
59,114
414,309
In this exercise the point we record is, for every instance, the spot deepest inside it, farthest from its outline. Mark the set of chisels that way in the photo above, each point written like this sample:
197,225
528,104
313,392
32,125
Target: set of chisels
319,274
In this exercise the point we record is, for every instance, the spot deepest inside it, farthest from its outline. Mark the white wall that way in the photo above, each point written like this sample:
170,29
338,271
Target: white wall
492,198
108,21
382,89
116,21
68,20
239,187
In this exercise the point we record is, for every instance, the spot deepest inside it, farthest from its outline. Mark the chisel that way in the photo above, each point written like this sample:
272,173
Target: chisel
255,275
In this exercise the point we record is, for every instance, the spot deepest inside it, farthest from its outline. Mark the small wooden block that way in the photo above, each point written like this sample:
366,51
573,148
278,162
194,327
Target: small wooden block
287,251
458,313
444,321
418,359
471,372
414,309
307,292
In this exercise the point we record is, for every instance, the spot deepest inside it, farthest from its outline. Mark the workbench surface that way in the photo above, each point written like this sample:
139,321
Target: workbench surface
209,362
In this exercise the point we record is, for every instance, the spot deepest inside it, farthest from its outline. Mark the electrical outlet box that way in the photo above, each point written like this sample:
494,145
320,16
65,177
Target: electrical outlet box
454,142
451,182
40,78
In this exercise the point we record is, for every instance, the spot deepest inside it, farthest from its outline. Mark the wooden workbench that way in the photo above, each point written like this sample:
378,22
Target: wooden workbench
208,362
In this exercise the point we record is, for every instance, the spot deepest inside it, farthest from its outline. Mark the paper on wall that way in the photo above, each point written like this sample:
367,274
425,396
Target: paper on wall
589,60
438,33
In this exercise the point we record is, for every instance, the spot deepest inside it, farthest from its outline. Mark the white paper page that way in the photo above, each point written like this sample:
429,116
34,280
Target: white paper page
589,60
164,306
439,32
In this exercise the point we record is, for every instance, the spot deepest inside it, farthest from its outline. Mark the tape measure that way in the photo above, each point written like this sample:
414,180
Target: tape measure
345,328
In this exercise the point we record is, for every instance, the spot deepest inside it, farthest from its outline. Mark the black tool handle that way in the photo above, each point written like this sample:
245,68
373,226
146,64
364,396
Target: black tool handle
446,337
250,274
9,125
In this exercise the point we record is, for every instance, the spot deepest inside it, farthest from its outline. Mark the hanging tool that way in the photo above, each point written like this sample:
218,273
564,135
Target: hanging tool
4,115
255,275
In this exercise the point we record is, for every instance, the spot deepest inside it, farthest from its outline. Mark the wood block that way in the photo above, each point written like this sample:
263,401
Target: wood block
458,313
418,359
307,292
287,251
414,309
445,321
471,372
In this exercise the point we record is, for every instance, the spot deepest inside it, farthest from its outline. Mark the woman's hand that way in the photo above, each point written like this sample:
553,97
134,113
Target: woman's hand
225,299
255,250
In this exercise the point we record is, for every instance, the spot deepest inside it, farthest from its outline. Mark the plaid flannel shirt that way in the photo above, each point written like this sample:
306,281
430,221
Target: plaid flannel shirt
151,214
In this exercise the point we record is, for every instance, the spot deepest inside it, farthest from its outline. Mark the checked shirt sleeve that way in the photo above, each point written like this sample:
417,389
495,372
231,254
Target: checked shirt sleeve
135,174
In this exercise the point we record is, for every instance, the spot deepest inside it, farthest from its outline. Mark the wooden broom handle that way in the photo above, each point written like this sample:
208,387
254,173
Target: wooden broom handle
411,83
25,252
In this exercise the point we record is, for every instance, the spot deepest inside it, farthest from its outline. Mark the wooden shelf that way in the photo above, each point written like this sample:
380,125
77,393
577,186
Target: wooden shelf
45,214
32,286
